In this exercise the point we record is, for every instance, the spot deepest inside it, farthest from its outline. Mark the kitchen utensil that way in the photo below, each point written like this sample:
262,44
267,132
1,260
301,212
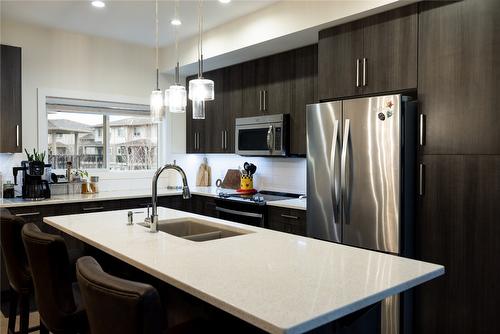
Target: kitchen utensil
232,179
252,169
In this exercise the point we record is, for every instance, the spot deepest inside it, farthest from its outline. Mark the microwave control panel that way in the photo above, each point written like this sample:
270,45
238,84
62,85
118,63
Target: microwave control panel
277,139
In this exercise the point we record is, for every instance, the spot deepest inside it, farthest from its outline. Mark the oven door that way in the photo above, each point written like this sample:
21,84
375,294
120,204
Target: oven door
264,139
242,213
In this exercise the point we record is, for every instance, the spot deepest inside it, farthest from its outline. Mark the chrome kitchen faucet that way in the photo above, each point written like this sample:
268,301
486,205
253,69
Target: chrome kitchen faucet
186,194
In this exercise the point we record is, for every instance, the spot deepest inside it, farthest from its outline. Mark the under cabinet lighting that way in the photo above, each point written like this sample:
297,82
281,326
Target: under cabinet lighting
98,4
224,1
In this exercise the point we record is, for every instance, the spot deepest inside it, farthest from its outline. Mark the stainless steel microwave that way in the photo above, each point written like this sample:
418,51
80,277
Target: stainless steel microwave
262,135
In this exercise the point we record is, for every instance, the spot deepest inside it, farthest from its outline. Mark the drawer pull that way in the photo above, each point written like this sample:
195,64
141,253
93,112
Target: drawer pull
289,217
27,214
93,208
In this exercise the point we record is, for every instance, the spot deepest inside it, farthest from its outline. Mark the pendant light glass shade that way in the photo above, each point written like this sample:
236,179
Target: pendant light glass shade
198,109
176,99
201,89
156,107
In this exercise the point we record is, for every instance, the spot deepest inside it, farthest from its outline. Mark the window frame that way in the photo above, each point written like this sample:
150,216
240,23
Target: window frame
106,173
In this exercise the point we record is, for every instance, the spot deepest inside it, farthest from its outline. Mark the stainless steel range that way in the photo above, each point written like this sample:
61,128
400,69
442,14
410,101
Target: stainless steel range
248,209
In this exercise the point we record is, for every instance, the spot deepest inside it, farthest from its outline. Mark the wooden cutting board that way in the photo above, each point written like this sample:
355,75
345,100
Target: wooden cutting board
232,179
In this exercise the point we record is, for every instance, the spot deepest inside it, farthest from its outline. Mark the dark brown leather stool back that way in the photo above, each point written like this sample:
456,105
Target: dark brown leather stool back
18,271
56,296
115,305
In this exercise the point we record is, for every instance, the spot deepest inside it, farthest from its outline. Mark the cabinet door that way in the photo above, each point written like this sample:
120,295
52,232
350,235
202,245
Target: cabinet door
232,102
458,227
214,122
338,49
390,51
304,91
287,220
459,71
10,110
277,91
195,128
254,82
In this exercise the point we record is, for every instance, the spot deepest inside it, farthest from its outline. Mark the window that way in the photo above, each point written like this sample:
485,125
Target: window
113,140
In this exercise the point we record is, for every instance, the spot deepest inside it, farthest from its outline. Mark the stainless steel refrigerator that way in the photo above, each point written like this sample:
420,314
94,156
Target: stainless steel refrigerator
361,180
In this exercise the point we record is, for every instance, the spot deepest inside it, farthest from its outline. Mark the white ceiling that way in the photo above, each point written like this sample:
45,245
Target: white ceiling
127,20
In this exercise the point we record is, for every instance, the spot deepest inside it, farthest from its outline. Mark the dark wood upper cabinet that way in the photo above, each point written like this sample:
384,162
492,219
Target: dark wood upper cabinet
254,81
276,98
304,89
339,52
373,55
390,50
214,122
195,128
459,76
11,109
232,102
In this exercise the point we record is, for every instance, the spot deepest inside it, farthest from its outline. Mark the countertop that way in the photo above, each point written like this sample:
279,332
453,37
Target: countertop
279,282
106,196
136,193
294,203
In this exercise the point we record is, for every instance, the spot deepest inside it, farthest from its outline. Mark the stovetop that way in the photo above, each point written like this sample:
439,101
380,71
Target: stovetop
262,197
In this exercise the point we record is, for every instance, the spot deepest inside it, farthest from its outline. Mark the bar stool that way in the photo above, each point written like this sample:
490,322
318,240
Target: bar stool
18,271
116,305
58,298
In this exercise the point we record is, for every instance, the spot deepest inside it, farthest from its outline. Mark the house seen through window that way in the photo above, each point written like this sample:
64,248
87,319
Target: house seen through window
109,139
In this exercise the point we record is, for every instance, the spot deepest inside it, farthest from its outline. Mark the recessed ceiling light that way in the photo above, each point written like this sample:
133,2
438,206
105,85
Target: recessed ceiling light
224,1
98,4
175,22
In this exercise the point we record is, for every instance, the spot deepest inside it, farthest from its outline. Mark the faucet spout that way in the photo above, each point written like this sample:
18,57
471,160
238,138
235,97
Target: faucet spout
186,193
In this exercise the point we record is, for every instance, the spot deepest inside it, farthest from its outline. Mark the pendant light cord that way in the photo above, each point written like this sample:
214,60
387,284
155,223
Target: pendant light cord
176,15
200,39
157,62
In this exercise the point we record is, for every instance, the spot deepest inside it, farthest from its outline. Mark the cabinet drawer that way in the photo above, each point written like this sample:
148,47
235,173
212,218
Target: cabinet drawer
287,220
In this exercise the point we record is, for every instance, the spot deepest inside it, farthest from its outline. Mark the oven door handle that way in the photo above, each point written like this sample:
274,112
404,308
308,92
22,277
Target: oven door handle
239,213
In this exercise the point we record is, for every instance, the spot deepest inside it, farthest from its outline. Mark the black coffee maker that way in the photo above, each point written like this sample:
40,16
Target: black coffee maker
34,188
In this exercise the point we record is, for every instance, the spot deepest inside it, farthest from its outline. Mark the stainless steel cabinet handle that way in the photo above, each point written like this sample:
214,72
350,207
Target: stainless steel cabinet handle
264,100
17,135
27,214
289,216
334,176
421,139
260,100
421,179
344,182
357,72
93,208
225,139
222,139
364,71
238,213
270,137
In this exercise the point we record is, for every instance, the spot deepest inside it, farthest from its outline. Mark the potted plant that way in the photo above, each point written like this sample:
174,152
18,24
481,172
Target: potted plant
36,164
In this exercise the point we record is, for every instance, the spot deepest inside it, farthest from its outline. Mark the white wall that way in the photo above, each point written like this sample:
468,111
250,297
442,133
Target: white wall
281,26
60,60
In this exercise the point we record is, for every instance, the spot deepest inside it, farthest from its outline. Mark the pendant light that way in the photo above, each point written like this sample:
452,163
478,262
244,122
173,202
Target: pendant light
156,106
200,89
175,96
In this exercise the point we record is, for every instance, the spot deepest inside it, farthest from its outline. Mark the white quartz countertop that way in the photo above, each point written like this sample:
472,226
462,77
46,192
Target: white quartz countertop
108,195
138,193
294,203
279,282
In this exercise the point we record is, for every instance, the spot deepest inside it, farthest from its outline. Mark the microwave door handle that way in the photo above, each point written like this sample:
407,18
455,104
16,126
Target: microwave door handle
270,138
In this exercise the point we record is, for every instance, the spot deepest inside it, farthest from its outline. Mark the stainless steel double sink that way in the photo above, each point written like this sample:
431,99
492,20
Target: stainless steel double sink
195,229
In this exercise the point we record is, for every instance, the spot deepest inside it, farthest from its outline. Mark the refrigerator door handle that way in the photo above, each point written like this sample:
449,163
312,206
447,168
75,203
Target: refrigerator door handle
335,177
344,181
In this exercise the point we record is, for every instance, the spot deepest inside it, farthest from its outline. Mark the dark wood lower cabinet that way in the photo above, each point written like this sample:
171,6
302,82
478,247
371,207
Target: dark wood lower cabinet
459,227
287,220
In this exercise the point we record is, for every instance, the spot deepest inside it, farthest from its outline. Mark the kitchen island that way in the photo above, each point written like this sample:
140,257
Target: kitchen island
278,282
